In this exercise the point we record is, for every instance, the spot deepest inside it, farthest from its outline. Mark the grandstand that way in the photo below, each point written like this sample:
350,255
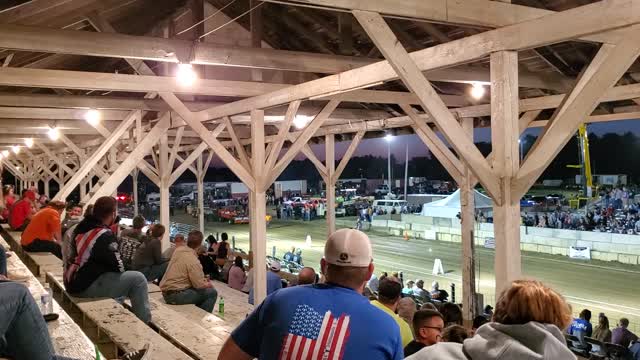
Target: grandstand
97,91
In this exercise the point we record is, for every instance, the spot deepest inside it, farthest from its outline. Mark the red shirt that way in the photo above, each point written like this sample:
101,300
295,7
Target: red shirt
19,213
9,200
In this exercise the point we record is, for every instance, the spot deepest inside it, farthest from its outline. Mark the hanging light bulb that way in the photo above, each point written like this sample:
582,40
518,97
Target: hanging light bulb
300,121
186,75
388,137
93,117
54,134
15,149
477,91
28,142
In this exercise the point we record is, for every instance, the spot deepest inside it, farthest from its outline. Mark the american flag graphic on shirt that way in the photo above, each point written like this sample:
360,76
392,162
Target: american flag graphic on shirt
315,336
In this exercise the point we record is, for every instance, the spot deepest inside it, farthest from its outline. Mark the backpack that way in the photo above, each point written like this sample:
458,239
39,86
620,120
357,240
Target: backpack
127,247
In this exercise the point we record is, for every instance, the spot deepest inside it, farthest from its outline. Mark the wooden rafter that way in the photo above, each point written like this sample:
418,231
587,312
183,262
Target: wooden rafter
411,75
605,70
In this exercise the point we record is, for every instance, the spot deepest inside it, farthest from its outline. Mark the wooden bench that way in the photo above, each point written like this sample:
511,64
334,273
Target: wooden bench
66,336
190,336
126,331
214,323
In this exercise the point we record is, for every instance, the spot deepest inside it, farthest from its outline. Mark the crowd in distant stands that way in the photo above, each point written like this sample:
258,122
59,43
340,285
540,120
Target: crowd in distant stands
615,212
346,312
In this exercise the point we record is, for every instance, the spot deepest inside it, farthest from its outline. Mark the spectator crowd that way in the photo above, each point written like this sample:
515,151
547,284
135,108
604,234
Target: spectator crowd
345,313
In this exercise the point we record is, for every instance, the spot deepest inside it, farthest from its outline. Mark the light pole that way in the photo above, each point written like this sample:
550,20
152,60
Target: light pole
389,138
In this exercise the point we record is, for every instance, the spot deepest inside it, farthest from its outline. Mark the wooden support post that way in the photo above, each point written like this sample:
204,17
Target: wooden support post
258,207
330,164
83,188
504,139
226,157
46,187
93,160
165,175
467,212
412,76
132,160
200,180
302,140
134,175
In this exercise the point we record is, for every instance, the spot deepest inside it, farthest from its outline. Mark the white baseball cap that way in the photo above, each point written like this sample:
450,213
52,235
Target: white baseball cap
348,247
275,265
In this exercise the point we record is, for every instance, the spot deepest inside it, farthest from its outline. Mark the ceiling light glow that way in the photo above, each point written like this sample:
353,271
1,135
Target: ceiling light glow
54,134
93,117
186,75
477,91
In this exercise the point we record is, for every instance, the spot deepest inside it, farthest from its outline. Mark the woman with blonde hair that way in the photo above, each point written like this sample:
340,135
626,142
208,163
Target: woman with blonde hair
526,324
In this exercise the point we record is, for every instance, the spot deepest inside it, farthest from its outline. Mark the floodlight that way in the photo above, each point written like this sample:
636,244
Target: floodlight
186,75
477,91
93,117
54,134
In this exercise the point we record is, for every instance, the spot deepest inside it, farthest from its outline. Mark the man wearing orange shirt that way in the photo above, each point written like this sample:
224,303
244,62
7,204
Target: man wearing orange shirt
43,234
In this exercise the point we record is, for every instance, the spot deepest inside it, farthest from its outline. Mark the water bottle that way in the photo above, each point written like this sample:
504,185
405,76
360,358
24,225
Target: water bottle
221,306
45,300
50,304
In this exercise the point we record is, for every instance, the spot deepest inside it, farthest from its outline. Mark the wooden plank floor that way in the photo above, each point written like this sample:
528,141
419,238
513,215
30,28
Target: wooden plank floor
127,331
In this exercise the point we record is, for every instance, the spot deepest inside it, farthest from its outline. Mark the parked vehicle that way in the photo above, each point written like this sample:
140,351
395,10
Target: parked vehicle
296,200
382,190
389,206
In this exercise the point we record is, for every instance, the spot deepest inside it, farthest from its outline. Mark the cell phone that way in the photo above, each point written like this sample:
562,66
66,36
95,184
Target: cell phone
51,317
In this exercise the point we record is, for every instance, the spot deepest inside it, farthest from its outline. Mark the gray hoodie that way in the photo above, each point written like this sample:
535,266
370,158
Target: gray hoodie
493,341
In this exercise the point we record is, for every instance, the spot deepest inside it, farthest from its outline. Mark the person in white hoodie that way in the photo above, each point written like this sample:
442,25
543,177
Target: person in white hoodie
526,326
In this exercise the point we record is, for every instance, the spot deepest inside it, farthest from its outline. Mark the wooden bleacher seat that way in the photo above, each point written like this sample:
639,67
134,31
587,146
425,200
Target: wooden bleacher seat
126,331
66,336
217,325
190,336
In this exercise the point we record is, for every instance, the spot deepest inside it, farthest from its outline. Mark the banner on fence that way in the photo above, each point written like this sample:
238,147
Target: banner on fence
580,252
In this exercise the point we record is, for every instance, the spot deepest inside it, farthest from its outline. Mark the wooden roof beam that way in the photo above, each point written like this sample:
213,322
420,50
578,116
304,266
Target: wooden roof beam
136,48
477,13
553,28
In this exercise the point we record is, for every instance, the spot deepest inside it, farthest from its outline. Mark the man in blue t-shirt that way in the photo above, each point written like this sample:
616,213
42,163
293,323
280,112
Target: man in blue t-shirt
580,328
322,321
274,281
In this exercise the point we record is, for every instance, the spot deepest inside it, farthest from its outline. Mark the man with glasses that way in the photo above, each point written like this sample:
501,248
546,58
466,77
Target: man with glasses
427,328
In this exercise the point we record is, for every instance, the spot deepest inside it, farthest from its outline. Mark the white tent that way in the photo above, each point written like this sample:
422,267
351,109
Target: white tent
449,207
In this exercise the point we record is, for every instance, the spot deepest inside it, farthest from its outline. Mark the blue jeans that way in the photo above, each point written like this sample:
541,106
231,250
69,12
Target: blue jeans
205,299
154,272
3,261
23,331
131,284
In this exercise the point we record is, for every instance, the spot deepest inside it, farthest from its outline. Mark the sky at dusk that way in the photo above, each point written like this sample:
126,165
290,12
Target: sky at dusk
378,147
